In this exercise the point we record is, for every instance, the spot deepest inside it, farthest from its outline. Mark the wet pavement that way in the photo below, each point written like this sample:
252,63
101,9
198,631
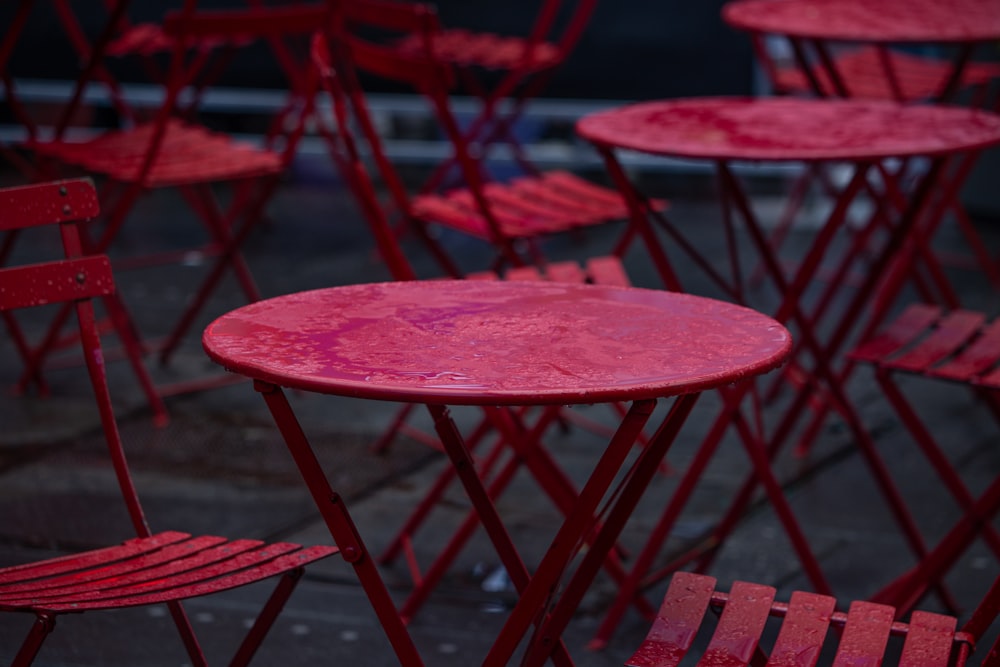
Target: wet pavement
219,465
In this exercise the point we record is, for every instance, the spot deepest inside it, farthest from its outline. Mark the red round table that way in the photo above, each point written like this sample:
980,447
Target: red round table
500,344
850,272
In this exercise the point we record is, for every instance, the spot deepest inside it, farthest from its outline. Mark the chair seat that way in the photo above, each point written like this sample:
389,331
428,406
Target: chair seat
189,154
864,76
487,50
959,345
553,202
160,568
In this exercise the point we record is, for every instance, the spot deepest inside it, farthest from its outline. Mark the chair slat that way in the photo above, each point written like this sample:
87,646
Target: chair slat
565,272
740,626
865,635
259,572
911,324
952,332
607,270
55,282
981,355
45,203
928,641
677,622
803,630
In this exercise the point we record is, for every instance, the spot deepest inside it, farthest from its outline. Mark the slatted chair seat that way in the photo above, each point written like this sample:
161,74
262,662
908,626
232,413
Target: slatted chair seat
866,634
189,154
863,73
526,207
161,568
962,346
487,50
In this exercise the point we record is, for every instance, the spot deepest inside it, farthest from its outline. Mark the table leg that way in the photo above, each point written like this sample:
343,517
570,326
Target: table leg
340,523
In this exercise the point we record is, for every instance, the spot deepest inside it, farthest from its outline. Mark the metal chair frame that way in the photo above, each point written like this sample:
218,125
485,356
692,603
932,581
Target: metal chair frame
164,567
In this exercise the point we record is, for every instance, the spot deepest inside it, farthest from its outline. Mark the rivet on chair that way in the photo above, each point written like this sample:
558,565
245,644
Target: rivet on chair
67,210
62,191
81,278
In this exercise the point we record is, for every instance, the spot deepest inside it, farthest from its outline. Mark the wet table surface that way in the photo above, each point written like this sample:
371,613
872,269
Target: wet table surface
471,342
957,21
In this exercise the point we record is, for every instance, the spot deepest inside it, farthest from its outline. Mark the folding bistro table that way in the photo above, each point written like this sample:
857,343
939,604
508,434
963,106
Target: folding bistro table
501,345
813,26
844,283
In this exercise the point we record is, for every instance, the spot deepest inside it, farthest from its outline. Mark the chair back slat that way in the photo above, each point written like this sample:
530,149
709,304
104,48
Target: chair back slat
77,279
866,632
740,627
55,282
676,624
929,640
800,640
35,205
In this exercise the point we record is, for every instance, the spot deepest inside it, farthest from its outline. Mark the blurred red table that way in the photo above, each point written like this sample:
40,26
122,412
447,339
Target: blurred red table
505,344
815,294
813,26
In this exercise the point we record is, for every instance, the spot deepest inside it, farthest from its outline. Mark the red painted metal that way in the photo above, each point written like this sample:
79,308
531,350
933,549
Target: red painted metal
151,568
803,630
676,625
820,132
513,215
478,343
811,631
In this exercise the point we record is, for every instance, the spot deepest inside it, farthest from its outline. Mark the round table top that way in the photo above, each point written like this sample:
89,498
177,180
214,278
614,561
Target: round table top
900,21
464,342
780,129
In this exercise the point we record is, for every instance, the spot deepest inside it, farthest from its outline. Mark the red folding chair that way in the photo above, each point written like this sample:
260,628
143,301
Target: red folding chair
151,568
503,73
513,217
961,347
227,182
810,630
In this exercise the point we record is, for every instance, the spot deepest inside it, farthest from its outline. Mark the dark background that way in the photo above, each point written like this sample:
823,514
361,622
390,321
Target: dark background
632,49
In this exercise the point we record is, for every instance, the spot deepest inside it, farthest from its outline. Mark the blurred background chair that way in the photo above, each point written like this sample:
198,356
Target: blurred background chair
503,72
152,568
512,217
226,181
928,344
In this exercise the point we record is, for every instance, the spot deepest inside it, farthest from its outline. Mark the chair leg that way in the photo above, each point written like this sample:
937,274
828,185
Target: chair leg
40,630
186,631
267,617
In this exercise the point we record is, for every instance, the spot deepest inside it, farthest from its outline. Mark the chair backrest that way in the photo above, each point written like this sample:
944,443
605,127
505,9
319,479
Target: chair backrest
74,278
